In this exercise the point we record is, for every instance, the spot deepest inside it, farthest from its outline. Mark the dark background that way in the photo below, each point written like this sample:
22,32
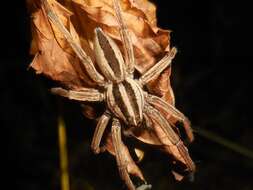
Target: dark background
211,81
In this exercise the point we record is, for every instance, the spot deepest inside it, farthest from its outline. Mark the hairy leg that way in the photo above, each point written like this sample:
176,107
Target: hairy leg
85,60
170,133
84,94
156,70
99,131
121,160
175,113
126,40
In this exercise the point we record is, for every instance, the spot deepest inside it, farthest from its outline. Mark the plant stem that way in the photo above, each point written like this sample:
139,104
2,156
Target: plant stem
224,142
63,154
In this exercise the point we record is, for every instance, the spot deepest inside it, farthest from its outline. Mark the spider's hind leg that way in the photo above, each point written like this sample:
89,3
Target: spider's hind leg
158,118
172,112
124,161
99,131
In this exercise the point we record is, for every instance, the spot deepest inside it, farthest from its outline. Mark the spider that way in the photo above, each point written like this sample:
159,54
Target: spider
125,98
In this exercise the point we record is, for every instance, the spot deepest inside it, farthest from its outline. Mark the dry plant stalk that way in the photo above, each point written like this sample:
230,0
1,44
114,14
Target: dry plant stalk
82,50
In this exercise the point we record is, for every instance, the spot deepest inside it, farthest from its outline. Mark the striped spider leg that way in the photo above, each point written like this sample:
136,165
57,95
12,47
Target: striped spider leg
155,115
172,112
122,162
85,60
126,40
125,98
120,157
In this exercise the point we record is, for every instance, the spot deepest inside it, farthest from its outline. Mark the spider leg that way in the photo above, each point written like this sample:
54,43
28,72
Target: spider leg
85,60
120,157
171,110
99,131
125,37
170,133
156,70
84,94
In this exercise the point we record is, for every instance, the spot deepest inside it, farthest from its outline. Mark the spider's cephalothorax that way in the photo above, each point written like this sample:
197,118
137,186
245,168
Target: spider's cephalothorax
124,96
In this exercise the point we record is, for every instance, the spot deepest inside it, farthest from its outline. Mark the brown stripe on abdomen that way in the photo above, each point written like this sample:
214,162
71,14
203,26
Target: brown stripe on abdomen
112,104
120,101
133,94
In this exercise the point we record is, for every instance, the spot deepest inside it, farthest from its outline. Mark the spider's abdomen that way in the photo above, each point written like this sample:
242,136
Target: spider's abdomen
126,101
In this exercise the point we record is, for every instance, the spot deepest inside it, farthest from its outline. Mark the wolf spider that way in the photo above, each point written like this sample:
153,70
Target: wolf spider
125,98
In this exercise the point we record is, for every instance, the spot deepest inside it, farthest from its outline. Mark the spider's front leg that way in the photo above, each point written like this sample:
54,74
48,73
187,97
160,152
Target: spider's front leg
125,37
74,44
172,112
170,134
124,161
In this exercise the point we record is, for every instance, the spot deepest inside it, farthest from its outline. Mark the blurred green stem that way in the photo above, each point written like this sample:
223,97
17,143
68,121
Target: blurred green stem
63,154
224,142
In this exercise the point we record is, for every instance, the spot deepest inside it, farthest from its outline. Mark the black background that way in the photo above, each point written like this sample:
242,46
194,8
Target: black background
211,81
